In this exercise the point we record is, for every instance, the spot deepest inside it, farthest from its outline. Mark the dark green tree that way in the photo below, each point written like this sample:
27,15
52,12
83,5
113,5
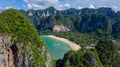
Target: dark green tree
106,51
75,59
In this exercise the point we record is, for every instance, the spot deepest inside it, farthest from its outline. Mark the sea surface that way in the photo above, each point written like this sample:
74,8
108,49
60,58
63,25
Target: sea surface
56,47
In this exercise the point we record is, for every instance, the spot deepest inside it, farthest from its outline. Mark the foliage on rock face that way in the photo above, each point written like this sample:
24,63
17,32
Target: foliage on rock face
15,24
106,50
75,59
85,20
116,30
82,23
93,22
86,27
99,21
90,26
107,53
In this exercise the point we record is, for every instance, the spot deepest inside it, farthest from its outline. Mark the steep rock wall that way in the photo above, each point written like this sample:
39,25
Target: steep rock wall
14,54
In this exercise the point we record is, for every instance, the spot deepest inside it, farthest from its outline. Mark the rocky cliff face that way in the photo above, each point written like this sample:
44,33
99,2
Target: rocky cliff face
58,28
83,20
72,11
6,55
12,54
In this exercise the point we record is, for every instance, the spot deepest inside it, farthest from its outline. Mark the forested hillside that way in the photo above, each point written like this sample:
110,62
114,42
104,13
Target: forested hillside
105,54
86,22
96,28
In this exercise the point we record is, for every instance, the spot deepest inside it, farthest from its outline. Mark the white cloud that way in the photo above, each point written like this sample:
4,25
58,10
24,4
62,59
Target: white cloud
115,8
42,4
7,7
61,7
79,7
67,5
92,6
29,6
34,6
103,6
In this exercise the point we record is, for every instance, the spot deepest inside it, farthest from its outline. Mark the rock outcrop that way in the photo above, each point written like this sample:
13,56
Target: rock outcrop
58,28
12,54
20,44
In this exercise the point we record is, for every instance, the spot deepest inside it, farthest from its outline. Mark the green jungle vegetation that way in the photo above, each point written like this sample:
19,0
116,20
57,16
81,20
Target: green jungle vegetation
92,26
15,24
87,26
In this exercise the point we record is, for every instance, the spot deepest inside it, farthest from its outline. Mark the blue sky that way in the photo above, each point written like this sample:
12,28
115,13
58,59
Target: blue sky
58,4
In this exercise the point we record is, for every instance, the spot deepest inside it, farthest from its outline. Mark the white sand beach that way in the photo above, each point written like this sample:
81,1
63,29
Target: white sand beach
71,44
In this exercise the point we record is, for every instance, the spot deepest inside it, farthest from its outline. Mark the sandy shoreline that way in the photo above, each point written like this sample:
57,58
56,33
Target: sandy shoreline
71,44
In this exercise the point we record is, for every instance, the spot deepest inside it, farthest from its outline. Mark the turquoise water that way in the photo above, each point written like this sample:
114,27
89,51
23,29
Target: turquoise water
56,47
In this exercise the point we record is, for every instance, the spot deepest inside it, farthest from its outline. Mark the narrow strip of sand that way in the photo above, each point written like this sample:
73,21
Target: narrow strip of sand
71,44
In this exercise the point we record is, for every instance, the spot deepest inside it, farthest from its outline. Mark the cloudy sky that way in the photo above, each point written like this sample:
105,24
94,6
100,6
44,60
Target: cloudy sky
58,4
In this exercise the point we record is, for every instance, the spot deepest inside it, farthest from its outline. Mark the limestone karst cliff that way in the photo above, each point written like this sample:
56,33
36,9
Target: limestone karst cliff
20,45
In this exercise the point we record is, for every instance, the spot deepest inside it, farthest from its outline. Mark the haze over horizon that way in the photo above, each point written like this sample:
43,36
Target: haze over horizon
58,4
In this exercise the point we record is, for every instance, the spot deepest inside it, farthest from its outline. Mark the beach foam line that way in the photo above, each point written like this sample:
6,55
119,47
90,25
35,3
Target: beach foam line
71,44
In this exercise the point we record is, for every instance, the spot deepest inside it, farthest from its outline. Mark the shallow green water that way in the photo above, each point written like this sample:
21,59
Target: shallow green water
56,47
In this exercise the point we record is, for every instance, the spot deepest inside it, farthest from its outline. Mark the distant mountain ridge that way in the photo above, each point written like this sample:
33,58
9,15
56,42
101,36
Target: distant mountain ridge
72,11
83,20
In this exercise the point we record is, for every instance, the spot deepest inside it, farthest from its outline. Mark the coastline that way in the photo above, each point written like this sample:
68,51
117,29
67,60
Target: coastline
71,44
